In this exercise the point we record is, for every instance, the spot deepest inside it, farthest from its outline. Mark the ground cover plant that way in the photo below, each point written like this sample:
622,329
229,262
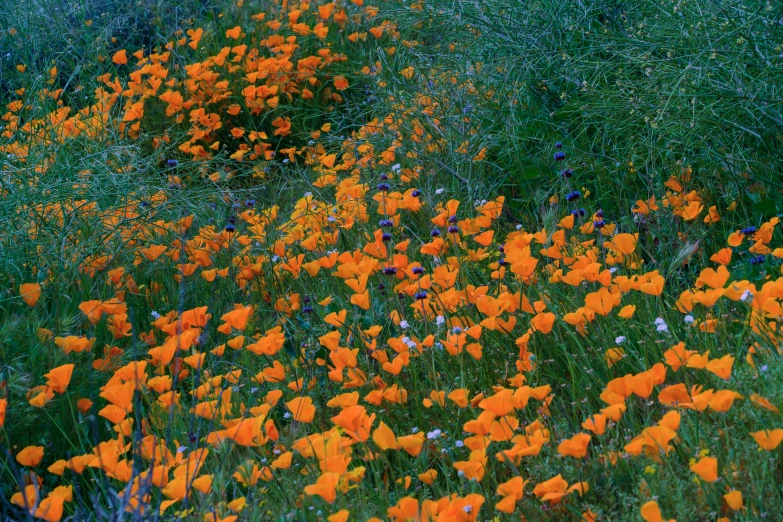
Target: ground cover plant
362,260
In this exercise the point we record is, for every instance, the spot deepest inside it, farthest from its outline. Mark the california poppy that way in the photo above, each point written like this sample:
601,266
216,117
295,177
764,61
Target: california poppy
768,439
706,468
302,409
59,378
30,292
30,456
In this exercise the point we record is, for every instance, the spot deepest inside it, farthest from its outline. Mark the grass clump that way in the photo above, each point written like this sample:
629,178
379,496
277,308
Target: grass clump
631,88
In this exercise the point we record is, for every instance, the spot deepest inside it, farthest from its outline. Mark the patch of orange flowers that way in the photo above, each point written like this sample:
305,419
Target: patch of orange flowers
320,324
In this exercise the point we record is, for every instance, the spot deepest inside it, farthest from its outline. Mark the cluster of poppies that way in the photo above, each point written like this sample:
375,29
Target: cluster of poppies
376,337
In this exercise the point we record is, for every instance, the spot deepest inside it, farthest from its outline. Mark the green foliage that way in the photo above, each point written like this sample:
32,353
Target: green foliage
645,83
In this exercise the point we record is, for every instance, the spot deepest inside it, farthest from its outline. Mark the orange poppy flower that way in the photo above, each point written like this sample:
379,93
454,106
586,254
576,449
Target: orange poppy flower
459,397
340,83
237,318
30,292
120,57
59,378
768,439
652,513
575,447
325,487
428,477
543,322
30,456
551,490
340,516
733,500
50,508
412,444
706,468
302,409
384,437
596,423
721,367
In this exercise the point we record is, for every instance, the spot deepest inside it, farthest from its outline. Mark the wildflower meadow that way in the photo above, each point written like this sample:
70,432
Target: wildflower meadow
405,260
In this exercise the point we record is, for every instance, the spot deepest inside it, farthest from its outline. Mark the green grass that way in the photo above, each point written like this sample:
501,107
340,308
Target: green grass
617,82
